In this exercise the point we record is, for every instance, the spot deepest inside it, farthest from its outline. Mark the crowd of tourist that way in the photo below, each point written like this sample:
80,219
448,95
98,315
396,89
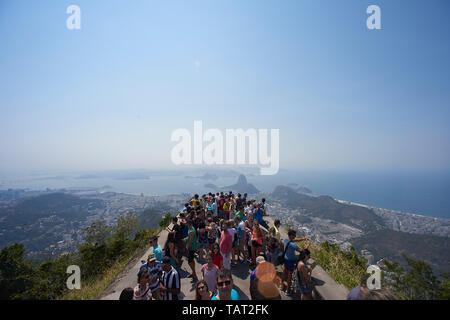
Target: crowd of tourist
224,231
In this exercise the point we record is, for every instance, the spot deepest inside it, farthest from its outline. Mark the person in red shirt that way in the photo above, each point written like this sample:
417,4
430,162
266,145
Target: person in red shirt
220,204
218,259
226,242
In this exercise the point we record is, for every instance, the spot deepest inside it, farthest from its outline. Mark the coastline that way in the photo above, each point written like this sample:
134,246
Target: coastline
391,210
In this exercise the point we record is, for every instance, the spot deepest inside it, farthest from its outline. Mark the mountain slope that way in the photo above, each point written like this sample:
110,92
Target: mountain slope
325,207
391,244
62,205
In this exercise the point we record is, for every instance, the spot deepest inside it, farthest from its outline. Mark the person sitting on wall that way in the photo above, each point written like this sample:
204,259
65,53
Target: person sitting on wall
304,275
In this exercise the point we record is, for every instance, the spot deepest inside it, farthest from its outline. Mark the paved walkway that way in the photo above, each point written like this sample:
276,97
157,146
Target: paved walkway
128,277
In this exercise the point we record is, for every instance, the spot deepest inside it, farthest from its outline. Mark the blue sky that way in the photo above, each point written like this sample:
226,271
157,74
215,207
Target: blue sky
109,95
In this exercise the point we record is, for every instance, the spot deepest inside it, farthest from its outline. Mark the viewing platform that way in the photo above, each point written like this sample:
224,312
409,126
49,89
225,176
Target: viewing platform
325,287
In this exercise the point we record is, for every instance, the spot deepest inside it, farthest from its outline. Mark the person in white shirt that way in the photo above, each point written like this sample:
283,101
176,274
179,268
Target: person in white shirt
248,208
235,243
242,248
264,206
143,291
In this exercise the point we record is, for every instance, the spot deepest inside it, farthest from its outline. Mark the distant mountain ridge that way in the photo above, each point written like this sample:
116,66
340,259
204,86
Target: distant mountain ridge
242,186
29,210
325,207
303,189
206,176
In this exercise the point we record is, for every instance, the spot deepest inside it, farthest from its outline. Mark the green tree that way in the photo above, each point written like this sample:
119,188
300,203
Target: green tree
94,260
392,277
142,237
445,286
16,273
121,244
21,278
97,233
126,226
166,220
416,282
422,284
49,279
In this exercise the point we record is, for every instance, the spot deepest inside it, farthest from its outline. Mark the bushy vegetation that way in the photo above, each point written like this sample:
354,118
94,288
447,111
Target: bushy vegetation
151,217
345,267
416,281
104,252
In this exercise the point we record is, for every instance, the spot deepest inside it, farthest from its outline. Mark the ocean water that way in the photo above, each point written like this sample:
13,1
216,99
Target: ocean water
425,193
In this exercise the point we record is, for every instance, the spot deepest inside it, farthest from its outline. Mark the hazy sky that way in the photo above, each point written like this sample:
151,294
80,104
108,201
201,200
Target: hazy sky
108,96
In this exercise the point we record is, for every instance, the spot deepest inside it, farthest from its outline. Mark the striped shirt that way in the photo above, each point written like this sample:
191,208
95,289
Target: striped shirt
170,280
154,272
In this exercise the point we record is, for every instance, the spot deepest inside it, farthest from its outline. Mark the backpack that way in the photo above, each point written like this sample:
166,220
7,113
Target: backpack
280,259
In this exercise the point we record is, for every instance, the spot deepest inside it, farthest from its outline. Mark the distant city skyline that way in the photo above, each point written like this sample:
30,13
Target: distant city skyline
109,95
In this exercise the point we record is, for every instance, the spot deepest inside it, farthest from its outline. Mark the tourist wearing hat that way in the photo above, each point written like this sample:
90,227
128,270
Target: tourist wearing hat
155,269
263,281
259,259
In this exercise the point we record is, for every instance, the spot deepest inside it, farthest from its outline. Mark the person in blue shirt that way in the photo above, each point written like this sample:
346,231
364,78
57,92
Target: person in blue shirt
225,289
157,250
290,258
214,206
358,292
185,209
258,214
